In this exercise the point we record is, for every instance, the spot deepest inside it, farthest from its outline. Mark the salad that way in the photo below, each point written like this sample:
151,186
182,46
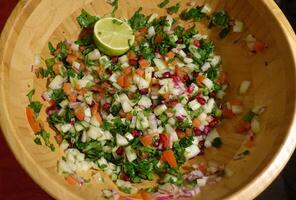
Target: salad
136,99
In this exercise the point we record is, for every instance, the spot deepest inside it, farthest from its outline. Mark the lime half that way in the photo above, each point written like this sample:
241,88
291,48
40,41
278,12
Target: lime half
113,36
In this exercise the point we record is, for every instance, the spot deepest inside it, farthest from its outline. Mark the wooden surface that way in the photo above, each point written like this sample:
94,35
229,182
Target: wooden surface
15,183
33,23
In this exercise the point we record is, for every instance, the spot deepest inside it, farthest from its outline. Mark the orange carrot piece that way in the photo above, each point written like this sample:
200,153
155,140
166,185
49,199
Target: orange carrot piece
127,70
199,80
222,78
79,113
147,196
146,140
32,121
72,97
158,39
131,55
94,112
188,132
140,72
71,180
127,81
136,196
67,87
129,116
196,122
56,67
120,81
259,46
228,114
180,134
166,96
122,198
71,58
170,158
236,102
170,55
144,63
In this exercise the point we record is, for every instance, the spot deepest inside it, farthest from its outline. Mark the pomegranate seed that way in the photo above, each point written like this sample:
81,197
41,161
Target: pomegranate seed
212,94
207,129
144,91
200,100
197,132
213,123
135,133
196,43
114,59
179,41
185,78
172,102
119,151
132,62
167,75
106,106
190,88
201,144
125,177
175,79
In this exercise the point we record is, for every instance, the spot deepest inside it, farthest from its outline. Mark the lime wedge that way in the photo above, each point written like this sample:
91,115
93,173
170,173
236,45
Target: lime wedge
113,36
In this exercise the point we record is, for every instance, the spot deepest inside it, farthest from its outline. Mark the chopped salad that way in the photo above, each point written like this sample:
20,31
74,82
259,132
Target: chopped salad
141,115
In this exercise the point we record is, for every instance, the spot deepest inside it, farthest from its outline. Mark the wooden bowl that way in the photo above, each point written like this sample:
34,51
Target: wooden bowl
33,23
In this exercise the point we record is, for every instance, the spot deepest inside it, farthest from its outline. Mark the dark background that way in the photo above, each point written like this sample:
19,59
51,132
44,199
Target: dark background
15,184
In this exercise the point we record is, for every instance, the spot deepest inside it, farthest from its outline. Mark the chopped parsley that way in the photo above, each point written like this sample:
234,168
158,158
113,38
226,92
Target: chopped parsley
86,20
173,9
138,20
194,14
163,3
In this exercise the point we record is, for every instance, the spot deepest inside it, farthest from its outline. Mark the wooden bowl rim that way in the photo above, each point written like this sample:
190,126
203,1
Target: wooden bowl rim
249,191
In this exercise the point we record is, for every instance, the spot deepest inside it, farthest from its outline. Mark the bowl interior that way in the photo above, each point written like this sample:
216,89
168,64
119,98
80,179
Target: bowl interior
272,74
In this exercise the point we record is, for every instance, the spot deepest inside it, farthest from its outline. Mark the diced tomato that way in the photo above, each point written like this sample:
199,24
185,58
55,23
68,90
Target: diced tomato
227,113
164,140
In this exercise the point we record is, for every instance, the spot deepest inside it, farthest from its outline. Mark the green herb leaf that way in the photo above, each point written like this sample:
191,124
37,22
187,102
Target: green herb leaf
86,20
36,106
30,94
51,48
186,141
224,32
220,18
249,116
37,141
173,9
85,41
114,6
163,3
45,136
50,62
193,14
138,20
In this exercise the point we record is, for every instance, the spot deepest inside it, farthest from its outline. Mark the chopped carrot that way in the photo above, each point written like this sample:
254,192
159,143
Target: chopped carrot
243,126
122,198
67,87
259,46
56,67
71,58
236,102
228,114
106,85
140,72
94,112
158,39
199,80
179,72
59,138
144,63
131,55
120,81
79,113
129,116
143,30
203,167
165,140
101,69
170,55
147,196
72,97
71,180
188,132
127,70
170,158
77,86
82,92
136,196
32,121
222,78
146,140
166,96
196,122
127,81
180,134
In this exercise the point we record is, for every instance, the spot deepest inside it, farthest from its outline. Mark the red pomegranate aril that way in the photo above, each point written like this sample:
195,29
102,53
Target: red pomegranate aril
119,151
132,62
190,88
164,140
135,133
180,118
172,102
194,74
212,94
114,59
207,129
106,106
185,78
200,100
167,75
197,132
202,152
144,91
179,41
201,144
213,123
175,79
196,43
125,177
